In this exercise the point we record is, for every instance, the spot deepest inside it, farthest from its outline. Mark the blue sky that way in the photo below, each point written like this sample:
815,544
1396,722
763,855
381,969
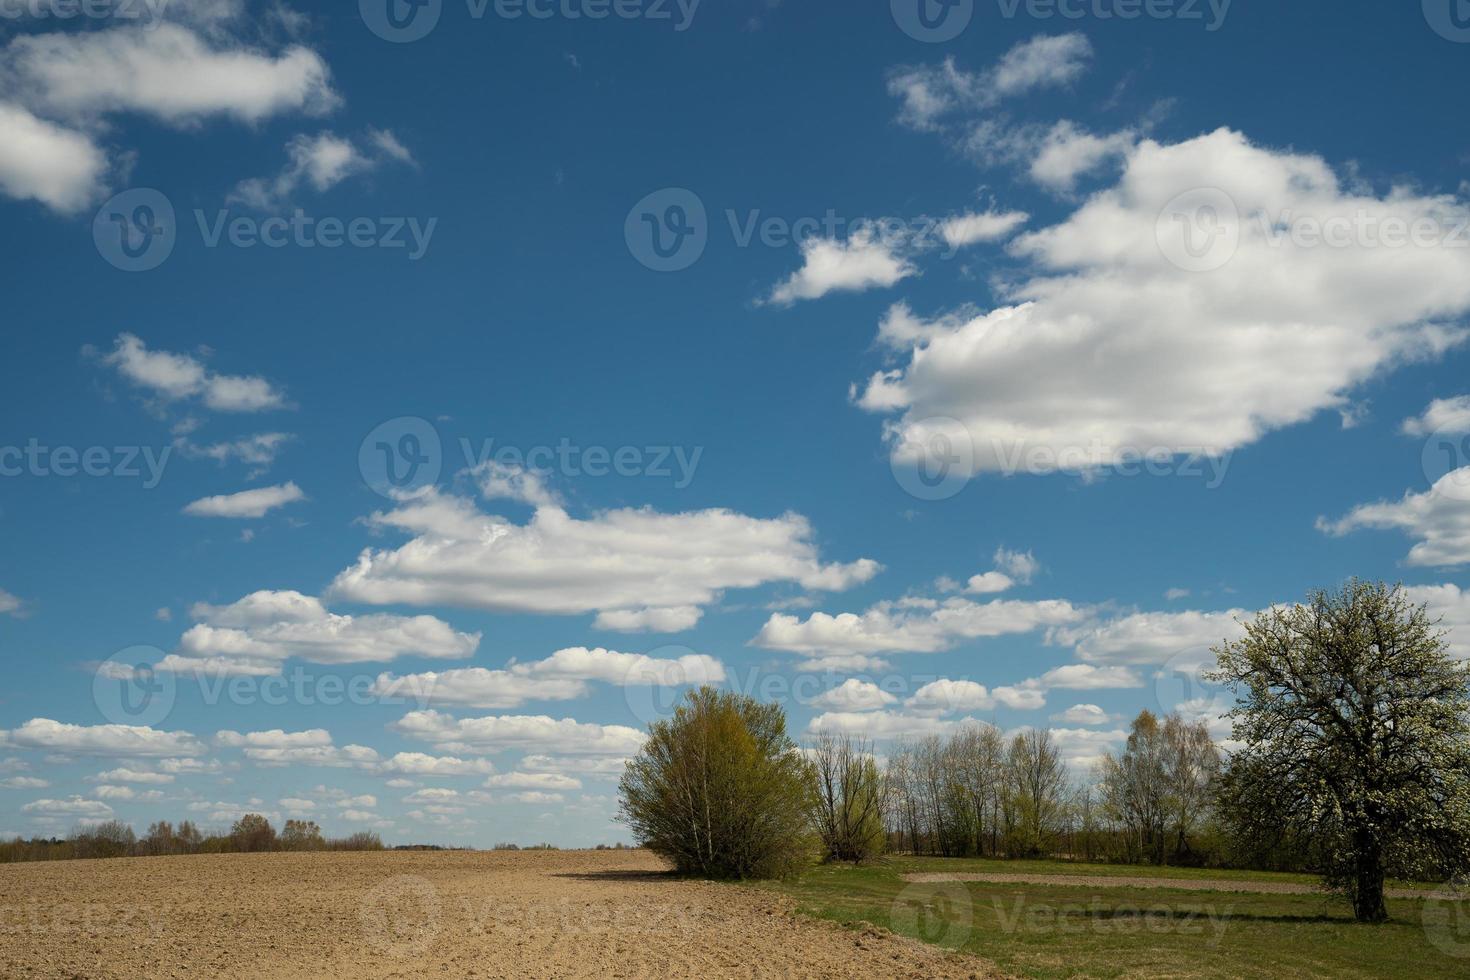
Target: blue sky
252,249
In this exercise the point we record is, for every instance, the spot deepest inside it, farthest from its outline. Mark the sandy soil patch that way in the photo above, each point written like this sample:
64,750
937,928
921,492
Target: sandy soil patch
413,914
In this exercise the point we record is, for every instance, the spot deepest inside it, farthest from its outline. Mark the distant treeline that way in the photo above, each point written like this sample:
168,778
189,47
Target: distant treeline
252,832
977,794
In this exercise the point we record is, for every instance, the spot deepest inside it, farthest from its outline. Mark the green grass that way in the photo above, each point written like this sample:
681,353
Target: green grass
1069,931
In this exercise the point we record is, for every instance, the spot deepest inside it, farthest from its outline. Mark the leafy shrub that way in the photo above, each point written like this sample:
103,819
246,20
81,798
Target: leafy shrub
720,790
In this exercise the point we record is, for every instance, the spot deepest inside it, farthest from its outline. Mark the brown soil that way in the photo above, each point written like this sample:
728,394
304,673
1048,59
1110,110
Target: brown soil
486,915
1123,881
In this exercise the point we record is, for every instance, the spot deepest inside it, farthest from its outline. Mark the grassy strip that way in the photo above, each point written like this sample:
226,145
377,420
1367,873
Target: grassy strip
1065,931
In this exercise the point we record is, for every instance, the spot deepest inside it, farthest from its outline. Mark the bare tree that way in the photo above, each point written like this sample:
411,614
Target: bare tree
851,802
1038,781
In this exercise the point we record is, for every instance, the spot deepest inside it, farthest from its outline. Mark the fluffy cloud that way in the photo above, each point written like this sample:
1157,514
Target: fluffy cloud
1145,638
533,780
1111,351
1084,714
854,695
1448,415
1086,677
911,625
1451,606
171,377
614,561
419,764
72,807
866,260
496,732
969,229
320,162
60,89
535,798
125,775
24,782
11,605
108,792
103,740
605,766
258,450
562,676
1439,518
1011,567
42,161
247,503
168,72
1083,748
307,748
883,724
930,93
1054,157
256,634
946,696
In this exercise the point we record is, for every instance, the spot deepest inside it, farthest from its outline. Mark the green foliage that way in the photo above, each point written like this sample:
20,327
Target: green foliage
109,839
851,799
721,790
302,835
252,832
1159,789
1065,931
1357,747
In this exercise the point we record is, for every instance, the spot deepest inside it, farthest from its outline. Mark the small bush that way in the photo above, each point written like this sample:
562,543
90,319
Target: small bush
721,791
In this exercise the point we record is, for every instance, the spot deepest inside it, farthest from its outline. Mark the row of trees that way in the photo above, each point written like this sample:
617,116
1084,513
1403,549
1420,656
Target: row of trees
976,794
252,832
1352,715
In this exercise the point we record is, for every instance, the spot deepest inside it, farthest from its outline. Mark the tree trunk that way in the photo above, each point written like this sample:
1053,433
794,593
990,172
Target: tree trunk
1368,904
